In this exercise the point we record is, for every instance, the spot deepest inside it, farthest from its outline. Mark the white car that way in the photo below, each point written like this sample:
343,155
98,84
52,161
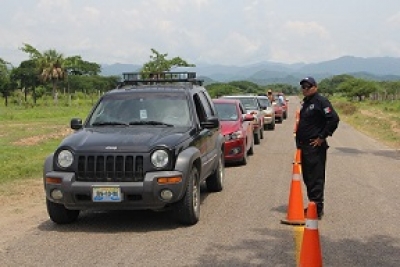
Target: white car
268,112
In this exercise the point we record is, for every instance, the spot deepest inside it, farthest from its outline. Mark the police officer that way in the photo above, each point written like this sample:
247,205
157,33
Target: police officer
318,120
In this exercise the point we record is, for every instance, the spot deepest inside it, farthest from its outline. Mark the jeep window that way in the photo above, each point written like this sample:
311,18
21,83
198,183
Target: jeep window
206,105
201,114
210,104
142,109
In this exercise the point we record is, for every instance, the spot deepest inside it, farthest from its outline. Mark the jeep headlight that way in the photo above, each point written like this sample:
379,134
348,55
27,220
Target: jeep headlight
159,158
65,158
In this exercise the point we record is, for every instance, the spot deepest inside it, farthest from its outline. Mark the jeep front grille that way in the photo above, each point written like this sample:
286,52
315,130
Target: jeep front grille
110,168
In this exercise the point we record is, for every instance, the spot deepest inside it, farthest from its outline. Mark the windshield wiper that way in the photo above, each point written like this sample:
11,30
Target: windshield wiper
149,123
106,123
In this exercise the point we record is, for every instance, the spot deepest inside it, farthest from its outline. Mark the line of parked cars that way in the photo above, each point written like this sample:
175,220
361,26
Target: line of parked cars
244,118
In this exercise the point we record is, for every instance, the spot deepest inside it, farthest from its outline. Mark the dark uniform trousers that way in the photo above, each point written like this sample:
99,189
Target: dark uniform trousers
313,163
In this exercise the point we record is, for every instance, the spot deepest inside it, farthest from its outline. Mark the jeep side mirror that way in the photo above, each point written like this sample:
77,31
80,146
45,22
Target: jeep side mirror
76,123
210,123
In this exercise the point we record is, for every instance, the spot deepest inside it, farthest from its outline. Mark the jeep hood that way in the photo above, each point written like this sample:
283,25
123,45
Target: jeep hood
132,139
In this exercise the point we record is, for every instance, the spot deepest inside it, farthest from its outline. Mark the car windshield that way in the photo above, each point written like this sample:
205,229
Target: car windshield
264,102
249,103
279,98
226,111
141,109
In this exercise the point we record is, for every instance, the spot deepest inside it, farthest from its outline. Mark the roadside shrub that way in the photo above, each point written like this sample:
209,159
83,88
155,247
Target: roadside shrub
40,91
346,108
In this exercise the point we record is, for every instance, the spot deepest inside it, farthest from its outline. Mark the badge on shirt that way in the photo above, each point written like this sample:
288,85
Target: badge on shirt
327,110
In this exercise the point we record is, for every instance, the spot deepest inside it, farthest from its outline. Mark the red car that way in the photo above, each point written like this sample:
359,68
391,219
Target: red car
237,128
279,111
280,97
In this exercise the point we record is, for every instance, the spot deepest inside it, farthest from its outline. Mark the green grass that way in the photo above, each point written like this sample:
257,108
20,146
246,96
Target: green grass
28,135
380,120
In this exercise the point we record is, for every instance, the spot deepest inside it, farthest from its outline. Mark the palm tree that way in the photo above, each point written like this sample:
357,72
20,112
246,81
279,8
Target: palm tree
51,69
50,65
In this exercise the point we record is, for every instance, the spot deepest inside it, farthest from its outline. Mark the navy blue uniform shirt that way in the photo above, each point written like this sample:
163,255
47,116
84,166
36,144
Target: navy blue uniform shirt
317,119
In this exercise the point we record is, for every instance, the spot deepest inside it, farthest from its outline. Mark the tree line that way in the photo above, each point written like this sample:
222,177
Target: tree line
50,72
350,87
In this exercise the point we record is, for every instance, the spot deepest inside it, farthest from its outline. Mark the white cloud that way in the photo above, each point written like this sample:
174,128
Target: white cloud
394,20
307,29
228,32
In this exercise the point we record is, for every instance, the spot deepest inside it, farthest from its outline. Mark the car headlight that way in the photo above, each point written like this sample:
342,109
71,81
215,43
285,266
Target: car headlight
234,136
65,158
159,158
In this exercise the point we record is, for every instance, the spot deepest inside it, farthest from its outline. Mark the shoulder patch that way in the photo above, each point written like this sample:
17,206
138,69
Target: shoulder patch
327,110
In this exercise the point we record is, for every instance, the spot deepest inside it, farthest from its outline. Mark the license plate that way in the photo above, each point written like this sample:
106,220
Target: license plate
106,194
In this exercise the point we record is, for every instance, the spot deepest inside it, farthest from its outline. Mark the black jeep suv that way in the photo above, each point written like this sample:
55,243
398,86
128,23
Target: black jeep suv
148,144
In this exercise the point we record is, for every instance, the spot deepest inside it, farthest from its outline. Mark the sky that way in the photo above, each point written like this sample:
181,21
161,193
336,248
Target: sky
227,32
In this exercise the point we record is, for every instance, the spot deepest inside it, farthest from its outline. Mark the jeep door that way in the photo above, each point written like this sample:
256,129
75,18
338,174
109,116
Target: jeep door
206,111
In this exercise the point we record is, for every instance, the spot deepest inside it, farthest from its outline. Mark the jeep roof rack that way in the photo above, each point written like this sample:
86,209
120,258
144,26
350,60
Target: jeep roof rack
138,78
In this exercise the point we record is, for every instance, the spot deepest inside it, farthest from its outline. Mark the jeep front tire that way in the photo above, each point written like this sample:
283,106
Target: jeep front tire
215,181
59,214
188,208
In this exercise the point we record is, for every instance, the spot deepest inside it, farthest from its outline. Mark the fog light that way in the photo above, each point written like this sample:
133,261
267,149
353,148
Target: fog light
166,194
56,194
235,151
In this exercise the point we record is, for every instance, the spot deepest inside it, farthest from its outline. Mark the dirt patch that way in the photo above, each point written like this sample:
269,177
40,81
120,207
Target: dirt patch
34,140
21,192
23,207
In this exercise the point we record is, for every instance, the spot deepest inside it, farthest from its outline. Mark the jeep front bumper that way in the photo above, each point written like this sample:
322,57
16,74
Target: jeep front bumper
76,195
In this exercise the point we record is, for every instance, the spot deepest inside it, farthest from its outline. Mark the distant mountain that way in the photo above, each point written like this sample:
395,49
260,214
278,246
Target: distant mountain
348,64
263,73
118,68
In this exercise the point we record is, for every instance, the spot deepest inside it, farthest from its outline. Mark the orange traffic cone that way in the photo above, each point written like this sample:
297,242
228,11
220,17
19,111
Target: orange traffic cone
297,156
295,214
310,253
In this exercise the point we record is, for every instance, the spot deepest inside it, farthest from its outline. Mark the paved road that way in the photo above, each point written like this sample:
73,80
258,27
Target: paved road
241,225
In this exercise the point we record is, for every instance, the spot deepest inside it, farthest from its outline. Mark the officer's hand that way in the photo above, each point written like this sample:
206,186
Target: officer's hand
317,142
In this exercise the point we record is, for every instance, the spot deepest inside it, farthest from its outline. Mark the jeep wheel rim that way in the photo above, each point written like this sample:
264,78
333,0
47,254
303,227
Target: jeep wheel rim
221,169
196,196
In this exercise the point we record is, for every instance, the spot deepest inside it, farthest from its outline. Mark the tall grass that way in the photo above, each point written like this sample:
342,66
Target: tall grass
378,119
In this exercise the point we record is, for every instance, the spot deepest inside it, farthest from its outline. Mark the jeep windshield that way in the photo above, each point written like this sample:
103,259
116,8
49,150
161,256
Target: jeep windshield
140,108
